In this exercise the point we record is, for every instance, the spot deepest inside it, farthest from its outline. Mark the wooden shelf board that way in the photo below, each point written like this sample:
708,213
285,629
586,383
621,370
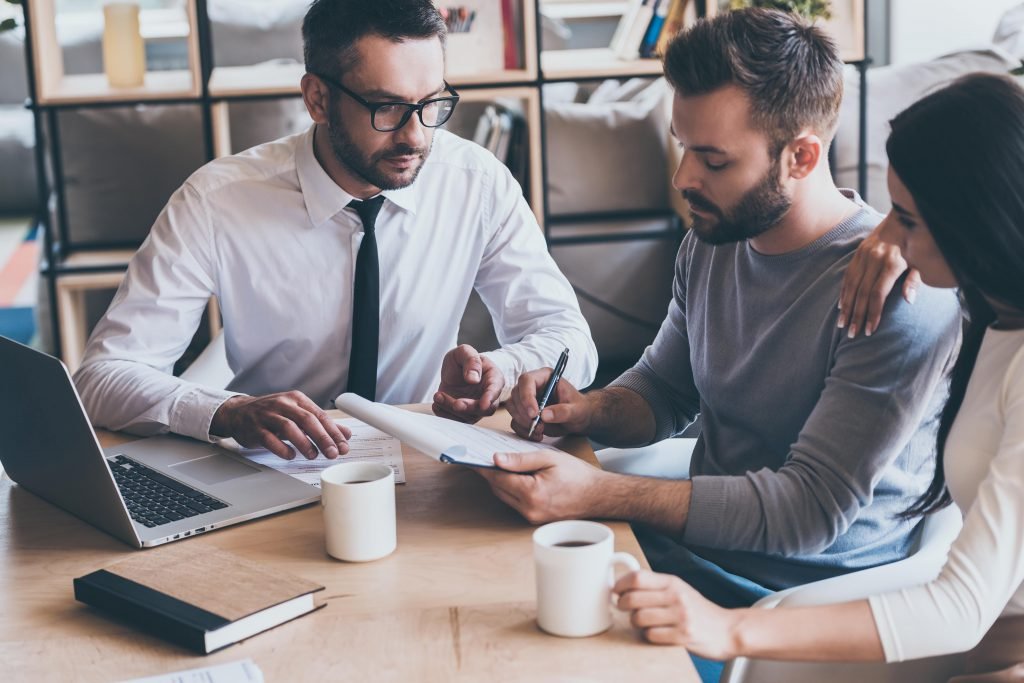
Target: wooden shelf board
595,62
283,79
852,54
490,94
93,259
585,10
259,79
90,88
496,77
82,282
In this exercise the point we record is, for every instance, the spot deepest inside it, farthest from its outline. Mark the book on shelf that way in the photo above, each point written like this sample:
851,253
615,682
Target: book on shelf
624,25
510,29
518,158
501,131
675,20
489,43
654,29
629,38
203,599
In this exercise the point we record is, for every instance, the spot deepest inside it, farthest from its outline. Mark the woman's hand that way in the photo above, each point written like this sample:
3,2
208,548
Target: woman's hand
670,612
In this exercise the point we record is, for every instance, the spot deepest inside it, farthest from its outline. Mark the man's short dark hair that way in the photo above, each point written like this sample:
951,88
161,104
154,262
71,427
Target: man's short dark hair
332,27
790,71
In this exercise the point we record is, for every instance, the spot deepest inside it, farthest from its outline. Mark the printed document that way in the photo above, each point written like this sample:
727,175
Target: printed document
368,444
242,671
435,436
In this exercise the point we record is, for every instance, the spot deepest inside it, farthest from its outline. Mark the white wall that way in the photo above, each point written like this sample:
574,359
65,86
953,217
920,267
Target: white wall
923,29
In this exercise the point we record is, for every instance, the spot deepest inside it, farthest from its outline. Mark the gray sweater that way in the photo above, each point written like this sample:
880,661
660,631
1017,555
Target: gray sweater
811,442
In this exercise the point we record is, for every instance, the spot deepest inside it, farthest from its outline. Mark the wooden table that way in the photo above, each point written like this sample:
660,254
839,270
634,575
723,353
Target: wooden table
455,602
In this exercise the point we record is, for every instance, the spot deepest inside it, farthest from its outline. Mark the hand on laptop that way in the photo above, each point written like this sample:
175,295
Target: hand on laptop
470,386
267,421
568,411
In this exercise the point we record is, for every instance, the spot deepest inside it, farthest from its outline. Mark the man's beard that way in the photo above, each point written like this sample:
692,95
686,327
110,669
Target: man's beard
758,211
369,167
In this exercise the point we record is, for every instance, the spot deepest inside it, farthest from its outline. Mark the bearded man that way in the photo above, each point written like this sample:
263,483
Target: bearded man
342,257
812,442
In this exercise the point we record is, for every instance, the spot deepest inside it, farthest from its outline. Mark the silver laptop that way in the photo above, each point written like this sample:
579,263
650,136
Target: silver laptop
146,492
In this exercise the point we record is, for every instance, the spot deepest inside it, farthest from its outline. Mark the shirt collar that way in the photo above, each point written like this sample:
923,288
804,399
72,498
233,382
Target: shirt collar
323,197
404,198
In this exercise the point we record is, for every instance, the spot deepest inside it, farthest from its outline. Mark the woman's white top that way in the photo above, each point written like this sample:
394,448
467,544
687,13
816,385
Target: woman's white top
984,464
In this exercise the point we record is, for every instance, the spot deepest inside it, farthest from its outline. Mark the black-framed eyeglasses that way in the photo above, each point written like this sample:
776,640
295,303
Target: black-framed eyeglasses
386,117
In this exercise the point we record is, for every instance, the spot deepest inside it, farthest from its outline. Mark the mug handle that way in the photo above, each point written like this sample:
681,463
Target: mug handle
624,559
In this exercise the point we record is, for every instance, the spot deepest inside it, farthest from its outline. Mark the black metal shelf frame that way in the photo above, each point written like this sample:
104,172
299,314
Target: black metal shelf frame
52,206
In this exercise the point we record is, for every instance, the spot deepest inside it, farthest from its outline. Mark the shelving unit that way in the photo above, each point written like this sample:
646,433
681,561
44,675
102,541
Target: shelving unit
53,87
71,268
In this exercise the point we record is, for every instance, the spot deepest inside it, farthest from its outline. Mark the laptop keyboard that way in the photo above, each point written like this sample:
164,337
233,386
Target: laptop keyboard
153,498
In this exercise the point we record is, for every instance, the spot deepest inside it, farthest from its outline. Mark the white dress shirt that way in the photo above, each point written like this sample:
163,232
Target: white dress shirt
984,463
267,231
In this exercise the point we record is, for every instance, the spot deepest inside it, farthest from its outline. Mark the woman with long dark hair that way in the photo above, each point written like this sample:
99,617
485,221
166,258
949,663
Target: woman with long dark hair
957,182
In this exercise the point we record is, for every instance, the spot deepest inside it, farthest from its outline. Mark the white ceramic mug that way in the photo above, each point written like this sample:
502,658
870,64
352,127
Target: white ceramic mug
575,563
359,510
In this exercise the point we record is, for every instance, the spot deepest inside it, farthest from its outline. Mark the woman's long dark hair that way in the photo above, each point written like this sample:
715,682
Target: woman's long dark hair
960,154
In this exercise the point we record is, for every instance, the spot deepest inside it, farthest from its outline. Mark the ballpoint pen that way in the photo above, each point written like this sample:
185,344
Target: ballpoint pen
550,388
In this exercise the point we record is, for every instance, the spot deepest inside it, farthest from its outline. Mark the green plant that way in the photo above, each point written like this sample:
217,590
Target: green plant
808,9
11,22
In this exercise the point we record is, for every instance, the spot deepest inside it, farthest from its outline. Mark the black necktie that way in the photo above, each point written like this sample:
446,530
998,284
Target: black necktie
362,362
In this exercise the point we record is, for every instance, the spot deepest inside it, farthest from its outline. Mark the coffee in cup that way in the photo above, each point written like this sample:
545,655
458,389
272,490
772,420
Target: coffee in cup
574,562
359,510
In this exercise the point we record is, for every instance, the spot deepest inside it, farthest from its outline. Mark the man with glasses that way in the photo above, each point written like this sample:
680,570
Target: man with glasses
342,257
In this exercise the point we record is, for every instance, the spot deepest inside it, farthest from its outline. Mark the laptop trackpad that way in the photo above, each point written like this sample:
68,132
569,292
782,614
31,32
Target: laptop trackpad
214,469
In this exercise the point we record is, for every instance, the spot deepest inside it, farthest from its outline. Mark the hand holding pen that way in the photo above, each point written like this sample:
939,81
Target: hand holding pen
566,410
549,389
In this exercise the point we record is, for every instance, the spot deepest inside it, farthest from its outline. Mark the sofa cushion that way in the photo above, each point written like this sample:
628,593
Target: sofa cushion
891,89
1009,34
609,155
121,164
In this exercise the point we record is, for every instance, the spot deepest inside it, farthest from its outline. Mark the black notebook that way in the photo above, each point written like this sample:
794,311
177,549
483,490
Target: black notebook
201,599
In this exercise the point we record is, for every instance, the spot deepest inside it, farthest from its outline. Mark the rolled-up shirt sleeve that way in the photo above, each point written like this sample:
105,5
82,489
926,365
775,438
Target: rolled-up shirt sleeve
532,304
125,379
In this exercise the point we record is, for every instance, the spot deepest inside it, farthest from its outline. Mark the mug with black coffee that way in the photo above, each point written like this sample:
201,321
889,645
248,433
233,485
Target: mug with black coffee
574,562
359,510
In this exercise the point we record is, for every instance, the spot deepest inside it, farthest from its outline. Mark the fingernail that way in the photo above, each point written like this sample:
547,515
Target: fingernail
911,296
852,332
868,329
841,323
500,458
474,376
840,305
332,452
547,415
